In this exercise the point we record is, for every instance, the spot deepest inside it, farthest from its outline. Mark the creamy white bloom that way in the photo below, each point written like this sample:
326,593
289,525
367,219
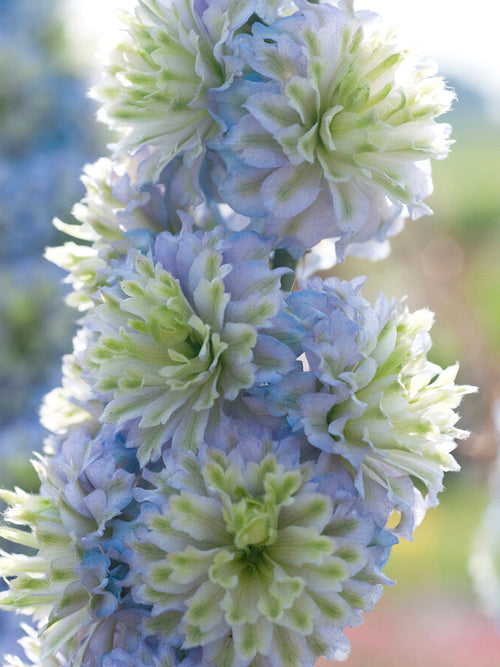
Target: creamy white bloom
369,398
333,130
158,82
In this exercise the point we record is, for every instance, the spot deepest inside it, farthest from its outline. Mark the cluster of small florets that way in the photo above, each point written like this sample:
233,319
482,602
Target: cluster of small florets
230,440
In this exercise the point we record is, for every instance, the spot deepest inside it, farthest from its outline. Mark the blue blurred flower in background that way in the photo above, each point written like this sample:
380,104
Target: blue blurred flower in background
47,133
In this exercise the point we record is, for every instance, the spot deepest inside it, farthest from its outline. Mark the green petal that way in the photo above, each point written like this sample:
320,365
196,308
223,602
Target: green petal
296,545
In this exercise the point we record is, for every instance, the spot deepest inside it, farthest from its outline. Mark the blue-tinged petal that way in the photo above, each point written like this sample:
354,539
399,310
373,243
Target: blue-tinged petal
271,110
273,358
251,277
241,189
309,226
253,145
350,205
248,246
229,103
291,189
266,561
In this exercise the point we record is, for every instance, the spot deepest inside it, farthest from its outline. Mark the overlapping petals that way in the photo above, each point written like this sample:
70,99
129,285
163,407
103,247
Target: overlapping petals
158,82
247,559
111,218
333,131
181,335
369,395
71,582
116,215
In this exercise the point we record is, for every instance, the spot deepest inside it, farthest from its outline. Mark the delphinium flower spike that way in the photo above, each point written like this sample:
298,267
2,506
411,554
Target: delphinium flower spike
230,441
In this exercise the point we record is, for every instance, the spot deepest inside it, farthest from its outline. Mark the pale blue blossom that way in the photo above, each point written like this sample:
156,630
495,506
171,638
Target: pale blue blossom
331,131
71,579
249,558
180,335
369,397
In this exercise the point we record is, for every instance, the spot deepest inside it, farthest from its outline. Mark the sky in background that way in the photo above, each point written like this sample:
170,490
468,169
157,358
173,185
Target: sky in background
462,37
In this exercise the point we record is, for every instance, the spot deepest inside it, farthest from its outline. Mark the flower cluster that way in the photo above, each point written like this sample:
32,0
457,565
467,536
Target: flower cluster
231,441
369,395
247,556
181,336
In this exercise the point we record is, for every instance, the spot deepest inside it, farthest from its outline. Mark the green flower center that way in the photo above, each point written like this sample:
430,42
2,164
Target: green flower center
252,524
253,555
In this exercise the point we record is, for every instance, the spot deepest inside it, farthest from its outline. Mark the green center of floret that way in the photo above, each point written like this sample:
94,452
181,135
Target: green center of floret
165,361
252,524
249,556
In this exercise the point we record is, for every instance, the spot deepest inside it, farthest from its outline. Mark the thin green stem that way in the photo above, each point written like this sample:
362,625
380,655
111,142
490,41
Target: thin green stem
283,258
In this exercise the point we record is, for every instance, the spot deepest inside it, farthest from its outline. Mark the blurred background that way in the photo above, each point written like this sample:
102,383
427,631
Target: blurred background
448,262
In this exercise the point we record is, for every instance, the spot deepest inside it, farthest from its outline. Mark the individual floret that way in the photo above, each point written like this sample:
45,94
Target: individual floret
180,335
71,579
246,557
331,131
158,82
369,397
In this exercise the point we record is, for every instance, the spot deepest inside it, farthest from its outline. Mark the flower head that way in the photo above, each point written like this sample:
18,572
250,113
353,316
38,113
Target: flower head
369,395
333,130
249,560
180,335
118,214
71,582
158,82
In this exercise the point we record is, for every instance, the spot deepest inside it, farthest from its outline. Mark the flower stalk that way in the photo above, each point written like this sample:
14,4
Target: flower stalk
230,440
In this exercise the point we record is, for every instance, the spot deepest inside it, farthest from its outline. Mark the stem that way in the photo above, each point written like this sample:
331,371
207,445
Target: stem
283,258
